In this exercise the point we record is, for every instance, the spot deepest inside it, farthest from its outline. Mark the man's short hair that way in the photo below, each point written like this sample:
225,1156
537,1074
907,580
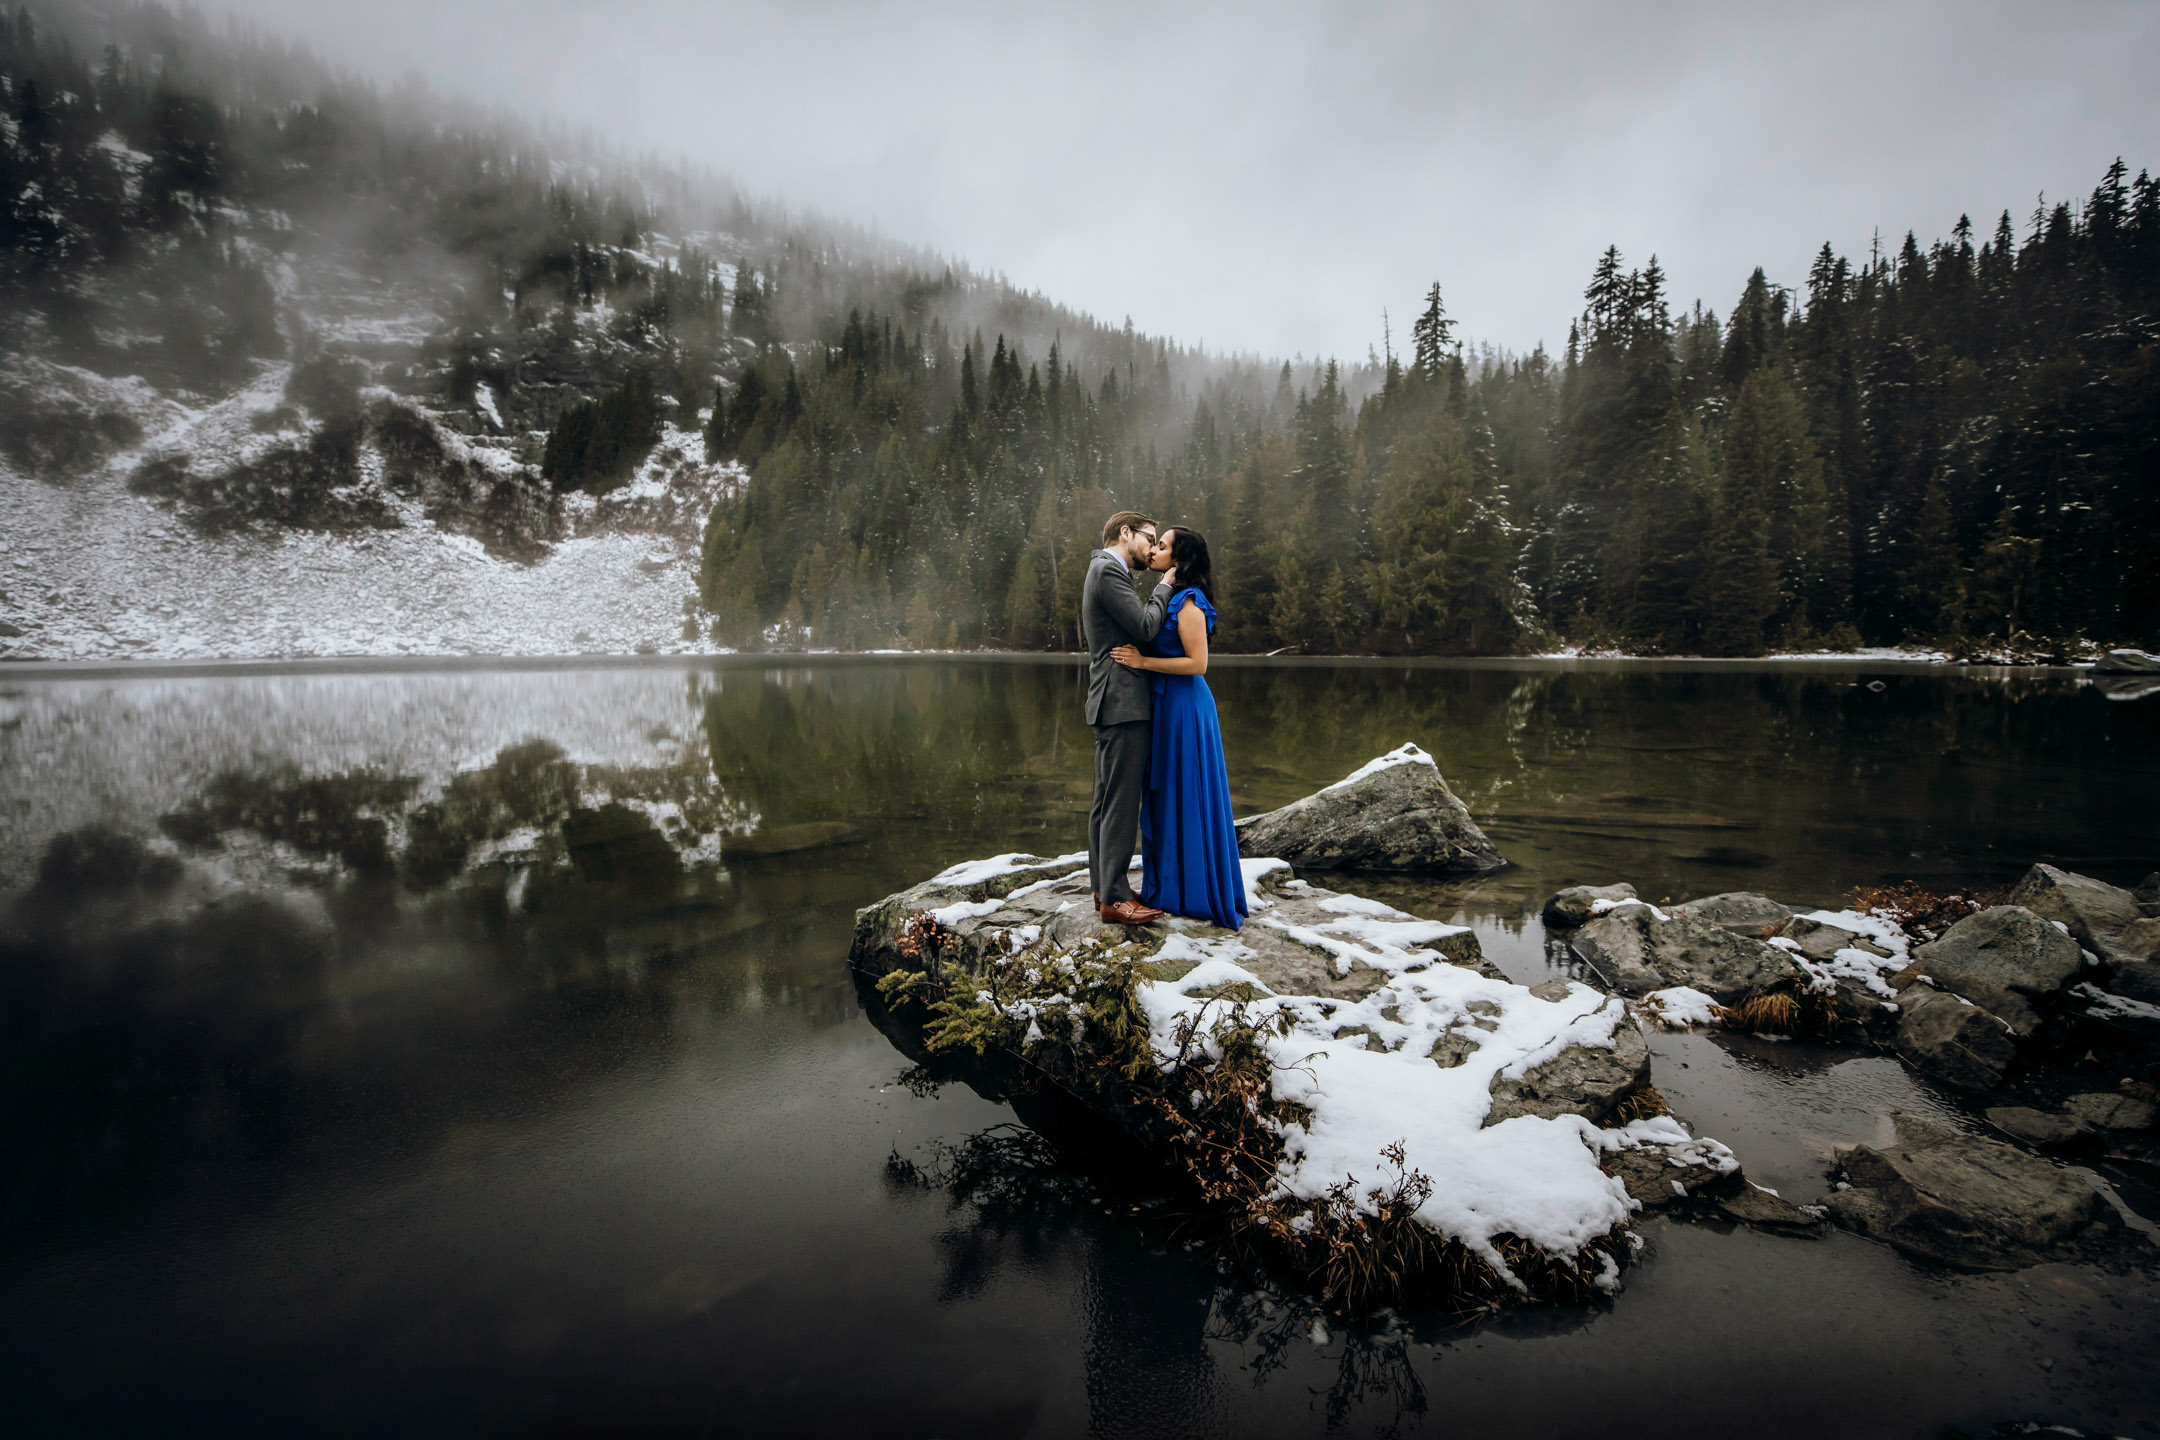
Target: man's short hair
1123,520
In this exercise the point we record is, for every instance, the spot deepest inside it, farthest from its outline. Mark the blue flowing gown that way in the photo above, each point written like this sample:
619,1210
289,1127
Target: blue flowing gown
1188,845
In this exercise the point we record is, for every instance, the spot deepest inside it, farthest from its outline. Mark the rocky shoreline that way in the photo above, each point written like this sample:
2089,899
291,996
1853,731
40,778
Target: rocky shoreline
1360,1093
1367,1097
2030,993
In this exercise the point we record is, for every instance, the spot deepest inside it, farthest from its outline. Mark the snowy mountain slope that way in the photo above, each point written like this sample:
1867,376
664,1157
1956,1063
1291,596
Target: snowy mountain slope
94,570
238,527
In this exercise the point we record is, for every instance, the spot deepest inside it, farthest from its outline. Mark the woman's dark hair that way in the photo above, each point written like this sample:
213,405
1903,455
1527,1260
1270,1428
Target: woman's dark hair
1188,552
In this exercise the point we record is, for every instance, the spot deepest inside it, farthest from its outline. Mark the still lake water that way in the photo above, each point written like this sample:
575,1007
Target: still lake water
307,1126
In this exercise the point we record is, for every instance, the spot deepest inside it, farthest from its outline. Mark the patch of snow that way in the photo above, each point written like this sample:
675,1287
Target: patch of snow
1402,755
961,910
1356,905
1851,963
1603,906
1681,1007
1529,1176
1252,871
291,593
975,872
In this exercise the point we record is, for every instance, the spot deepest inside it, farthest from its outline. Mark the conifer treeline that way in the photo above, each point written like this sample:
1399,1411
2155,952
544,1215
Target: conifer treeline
1953,444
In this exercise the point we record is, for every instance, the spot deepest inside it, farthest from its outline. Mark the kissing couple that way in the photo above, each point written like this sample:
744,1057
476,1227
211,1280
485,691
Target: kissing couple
1157,738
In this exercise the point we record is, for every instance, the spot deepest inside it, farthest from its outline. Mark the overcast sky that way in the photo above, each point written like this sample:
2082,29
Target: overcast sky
1269,176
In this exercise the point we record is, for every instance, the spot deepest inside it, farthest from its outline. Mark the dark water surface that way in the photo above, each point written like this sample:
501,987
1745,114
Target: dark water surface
335,1096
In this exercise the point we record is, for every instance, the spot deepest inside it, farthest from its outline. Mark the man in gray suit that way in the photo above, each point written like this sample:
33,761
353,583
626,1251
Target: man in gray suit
1120,705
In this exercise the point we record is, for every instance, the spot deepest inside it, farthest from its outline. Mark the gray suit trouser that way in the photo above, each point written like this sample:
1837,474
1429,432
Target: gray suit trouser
1121,776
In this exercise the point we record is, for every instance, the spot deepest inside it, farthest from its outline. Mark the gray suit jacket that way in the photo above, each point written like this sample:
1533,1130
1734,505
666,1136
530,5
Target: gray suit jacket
1111,614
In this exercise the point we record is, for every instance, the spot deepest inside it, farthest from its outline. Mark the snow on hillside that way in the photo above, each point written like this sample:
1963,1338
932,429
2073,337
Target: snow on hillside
89,570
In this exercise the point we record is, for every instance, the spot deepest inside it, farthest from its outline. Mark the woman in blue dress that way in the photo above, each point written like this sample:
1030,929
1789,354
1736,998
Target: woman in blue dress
1188,845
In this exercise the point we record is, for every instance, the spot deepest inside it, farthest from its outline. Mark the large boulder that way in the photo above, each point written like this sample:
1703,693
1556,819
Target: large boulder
1394,814
1952,1039
2038,1127
1636,950
2095,912
1756,916
1967,1203
2104,1111
2005,959
1578,903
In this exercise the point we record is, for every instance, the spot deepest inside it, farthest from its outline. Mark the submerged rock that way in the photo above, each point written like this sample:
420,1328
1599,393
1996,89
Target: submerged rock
1744,913
1750,1204
1395,814
2038,1127
1636,950
2006,959
2103,1111
1576,904
1952,1039
1967,1203
793,839
2095,912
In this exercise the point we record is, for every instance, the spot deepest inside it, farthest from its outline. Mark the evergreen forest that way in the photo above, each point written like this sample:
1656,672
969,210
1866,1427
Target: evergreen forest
1956,444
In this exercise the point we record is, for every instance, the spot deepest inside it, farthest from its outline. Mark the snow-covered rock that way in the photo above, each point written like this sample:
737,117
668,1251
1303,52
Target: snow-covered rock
1393,814
1379,1029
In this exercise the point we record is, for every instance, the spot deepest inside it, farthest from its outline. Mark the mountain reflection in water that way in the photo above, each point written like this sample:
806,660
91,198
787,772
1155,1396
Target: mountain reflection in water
425,1048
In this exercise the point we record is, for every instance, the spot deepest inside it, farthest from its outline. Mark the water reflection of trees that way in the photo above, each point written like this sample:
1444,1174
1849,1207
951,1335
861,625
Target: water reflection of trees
939,753
1749,773
336,966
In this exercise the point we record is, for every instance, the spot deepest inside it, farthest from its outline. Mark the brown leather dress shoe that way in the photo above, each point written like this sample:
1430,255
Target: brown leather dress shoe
1129,912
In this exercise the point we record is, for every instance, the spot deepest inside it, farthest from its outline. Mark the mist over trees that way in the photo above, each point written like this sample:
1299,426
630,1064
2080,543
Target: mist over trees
1951,443
1956,444
188,204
